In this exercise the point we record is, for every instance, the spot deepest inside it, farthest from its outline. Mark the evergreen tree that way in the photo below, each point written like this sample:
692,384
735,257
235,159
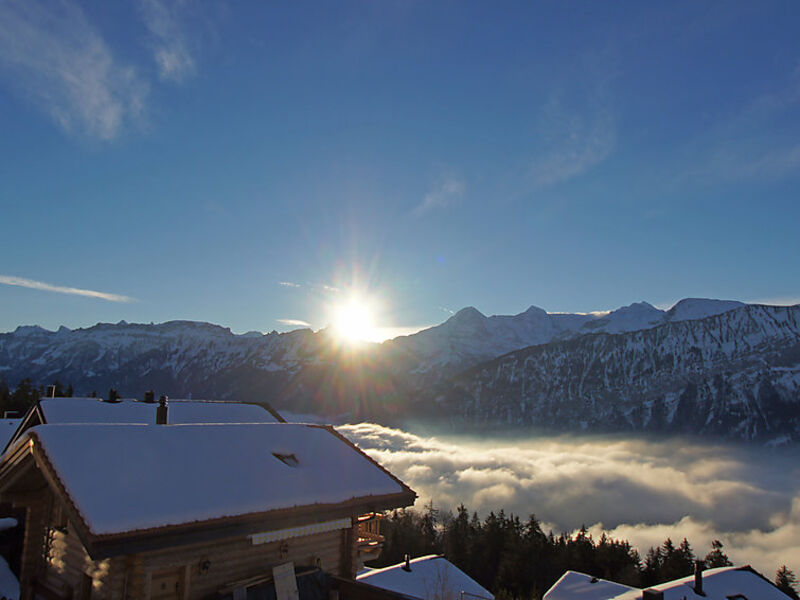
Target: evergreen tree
5,395
428,529
651,573
23,397
786,582
717,557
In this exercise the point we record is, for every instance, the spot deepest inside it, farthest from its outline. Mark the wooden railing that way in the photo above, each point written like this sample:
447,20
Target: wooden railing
370,541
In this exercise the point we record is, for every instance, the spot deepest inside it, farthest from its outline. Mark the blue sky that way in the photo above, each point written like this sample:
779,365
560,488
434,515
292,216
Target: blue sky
247,163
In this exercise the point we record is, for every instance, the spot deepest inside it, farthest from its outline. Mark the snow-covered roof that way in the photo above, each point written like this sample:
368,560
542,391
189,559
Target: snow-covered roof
430,577
93,410
579,586
724,583
122,478
9,586
7,429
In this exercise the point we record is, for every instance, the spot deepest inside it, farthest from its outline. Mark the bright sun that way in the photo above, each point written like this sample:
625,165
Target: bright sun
354,320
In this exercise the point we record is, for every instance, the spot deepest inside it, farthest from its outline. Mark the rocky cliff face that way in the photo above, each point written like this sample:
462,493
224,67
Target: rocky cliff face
709,367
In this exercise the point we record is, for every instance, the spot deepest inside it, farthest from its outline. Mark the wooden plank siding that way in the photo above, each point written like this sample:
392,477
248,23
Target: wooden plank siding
229,560
235,559
66,563
32,545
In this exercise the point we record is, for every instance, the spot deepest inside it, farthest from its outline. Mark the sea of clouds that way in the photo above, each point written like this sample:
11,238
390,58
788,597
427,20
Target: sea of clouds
642,490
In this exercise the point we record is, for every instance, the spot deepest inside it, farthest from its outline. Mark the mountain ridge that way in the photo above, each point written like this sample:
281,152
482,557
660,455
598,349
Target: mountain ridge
470,360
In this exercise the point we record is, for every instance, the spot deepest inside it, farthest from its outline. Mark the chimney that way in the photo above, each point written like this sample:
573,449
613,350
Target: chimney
407,566
51,391
150,397
652,594
113,396
161,411
698,578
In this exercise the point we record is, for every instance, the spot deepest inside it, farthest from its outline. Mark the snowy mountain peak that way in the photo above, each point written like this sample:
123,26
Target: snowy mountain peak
700,308
467,315
535,311
28,330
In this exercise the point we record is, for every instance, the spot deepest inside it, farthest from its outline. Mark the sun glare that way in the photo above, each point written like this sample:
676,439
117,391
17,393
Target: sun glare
354,320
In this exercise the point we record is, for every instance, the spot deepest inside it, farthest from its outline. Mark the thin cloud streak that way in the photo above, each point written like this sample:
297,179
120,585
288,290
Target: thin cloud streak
744,146
583,142
777,301
294,322
446,193
290,284
170,43
53,56
47,287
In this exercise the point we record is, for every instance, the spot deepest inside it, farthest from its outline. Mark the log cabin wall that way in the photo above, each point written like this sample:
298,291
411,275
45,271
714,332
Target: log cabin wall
66,567
200,570
31,559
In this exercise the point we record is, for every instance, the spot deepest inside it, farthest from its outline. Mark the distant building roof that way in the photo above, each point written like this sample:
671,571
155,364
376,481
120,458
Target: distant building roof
96,410
429,577
119,479
724,583
7,429
579,586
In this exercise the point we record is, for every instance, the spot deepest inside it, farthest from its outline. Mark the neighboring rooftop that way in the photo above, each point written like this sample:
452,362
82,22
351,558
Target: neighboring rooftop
724,583
427,578
7,429
179,474
95,410
578,586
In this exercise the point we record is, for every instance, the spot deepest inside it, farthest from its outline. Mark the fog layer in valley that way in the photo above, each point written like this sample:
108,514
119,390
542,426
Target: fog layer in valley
636,489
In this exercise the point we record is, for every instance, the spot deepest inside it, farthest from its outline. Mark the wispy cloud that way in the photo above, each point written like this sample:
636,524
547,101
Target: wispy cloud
170,44
290,284
47,287
445,193
577,140
752,142
777,301
52,55
294,322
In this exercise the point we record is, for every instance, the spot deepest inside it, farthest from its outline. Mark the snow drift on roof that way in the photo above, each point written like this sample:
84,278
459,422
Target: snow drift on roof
430,577
127,477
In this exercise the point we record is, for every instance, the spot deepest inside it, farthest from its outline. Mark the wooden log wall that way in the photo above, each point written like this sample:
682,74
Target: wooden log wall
213,565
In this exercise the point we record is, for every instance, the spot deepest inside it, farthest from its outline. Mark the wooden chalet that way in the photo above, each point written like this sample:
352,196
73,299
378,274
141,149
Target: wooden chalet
190,511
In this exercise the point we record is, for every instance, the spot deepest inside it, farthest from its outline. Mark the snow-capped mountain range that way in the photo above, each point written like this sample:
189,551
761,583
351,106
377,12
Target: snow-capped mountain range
736,365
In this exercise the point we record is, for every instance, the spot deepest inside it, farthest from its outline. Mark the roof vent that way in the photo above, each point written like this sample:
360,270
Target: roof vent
113,396
407,566
290,460
150,397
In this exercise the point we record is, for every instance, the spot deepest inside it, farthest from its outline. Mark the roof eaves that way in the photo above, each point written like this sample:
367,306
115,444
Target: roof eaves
108,545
